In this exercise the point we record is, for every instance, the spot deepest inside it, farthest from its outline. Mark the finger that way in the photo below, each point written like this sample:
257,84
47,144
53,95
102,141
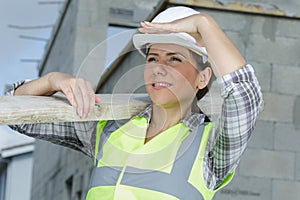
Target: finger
70,96
73,99
88,99
153,30
78,97
150,26
147,24
157,26
97,99
79,102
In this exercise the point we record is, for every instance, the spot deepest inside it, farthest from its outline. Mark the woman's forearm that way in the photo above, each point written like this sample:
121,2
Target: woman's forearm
38,87
222,53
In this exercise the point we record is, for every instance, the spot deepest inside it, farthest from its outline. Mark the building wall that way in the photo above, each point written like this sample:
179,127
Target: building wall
60,54
19,175
16,163
270,167
61,173
77,48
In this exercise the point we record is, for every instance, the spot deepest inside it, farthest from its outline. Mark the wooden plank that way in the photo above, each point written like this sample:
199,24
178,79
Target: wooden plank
39,109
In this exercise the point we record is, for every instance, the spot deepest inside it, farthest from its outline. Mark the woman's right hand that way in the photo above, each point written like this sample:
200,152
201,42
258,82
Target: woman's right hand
78,91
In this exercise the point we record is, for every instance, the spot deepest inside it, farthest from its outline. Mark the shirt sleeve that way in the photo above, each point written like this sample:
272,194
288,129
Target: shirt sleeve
14,86
242,102
79,136
75,135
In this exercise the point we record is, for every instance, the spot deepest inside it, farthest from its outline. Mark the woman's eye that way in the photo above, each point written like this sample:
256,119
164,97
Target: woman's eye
151,59
176,59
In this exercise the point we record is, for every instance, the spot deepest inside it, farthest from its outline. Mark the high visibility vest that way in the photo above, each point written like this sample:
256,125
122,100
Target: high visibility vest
168,167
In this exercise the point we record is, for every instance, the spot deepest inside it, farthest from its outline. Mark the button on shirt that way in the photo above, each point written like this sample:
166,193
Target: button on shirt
242,100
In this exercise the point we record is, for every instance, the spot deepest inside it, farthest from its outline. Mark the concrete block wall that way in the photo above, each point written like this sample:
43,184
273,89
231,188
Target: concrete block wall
61,54
128,77
61,173
269,169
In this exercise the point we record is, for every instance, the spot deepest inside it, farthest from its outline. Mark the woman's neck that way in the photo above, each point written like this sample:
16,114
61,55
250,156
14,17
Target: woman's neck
164,118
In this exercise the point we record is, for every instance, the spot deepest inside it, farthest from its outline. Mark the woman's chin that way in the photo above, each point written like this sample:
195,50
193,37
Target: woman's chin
164,101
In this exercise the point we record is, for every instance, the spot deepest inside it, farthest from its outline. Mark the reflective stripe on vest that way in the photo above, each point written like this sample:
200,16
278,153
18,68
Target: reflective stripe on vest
175,183
119,182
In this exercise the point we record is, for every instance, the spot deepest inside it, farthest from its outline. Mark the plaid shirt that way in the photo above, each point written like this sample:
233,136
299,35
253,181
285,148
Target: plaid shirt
242,102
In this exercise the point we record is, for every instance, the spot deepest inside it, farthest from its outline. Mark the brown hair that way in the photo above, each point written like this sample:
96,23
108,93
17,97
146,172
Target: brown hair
201,66
201,93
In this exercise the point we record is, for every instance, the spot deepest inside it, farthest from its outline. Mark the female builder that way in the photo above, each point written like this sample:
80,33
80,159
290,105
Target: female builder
166,152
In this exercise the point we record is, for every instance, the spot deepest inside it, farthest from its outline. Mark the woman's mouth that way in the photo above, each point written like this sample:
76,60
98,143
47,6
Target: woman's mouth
161,85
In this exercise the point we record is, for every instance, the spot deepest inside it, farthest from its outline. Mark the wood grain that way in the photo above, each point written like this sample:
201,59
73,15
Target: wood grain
40,109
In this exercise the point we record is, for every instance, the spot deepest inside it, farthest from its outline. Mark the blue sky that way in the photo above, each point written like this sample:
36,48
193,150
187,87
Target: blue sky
15,18
13,48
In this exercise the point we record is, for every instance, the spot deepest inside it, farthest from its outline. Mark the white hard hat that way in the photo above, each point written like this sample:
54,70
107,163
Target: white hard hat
141,41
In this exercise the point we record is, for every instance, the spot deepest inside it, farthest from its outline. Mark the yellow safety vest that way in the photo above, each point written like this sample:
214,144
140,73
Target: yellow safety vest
168,167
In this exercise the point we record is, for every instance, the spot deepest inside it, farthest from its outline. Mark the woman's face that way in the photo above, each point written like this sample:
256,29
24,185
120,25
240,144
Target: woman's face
171,76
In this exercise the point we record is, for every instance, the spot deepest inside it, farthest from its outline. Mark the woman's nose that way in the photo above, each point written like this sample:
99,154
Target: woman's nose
159,69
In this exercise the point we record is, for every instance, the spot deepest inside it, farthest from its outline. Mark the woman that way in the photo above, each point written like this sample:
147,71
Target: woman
167,151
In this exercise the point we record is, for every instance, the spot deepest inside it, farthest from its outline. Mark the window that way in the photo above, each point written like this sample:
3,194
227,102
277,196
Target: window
117,39
71,191
3,172
69,186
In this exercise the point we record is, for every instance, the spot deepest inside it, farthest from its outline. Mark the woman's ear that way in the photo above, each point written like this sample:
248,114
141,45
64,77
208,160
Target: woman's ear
204,78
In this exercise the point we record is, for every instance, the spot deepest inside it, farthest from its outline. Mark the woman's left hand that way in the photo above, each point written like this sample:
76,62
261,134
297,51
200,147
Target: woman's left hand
223,55
187,25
